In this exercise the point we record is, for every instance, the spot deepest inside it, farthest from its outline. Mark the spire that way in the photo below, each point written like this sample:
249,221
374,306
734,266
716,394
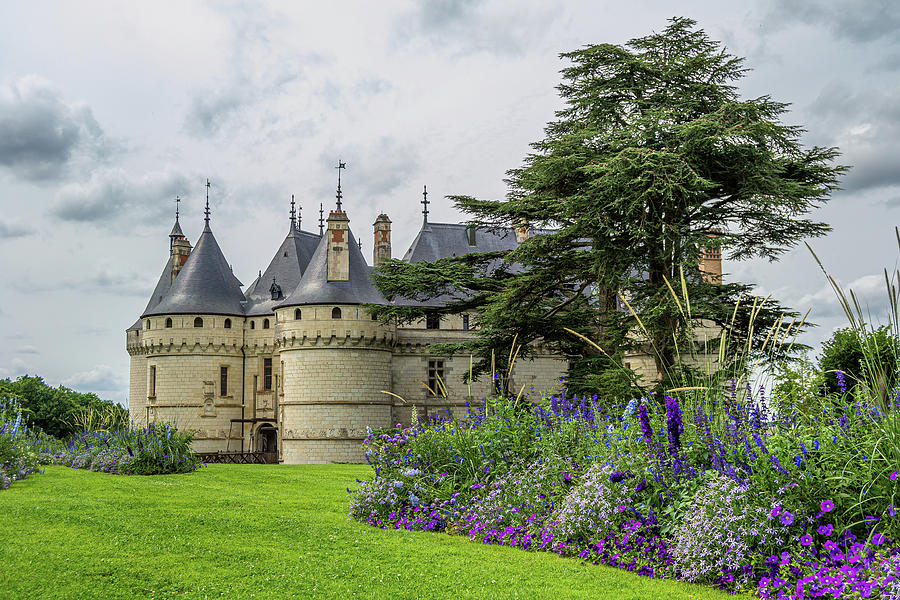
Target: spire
359,241
293,212
177,202
299,214
340,195
206,212
176,233
321,220
425,203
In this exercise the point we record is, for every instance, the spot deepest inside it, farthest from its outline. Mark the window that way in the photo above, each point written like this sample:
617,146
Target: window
169,323
335,313
297,314
152,393
198,322
227,323
223,381
252,324
374,318
265,323
466,322
148,324
436,377
432,321
267,374
470,235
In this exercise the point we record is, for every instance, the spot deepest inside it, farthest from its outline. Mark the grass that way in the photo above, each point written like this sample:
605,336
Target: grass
254,531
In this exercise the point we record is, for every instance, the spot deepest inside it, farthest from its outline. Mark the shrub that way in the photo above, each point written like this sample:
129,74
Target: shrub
854,354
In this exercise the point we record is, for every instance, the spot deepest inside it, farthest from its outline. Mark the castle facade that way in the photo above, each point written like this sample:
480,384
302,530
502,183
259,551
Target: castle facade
295,363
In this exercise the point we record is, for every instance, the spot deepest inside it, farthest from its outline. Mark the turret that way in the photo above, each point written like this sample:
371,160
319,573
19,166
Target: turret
381,253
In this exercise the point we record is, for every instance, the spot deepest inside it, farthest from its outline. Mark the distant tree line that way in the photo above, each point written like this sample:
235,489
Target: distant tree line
57,411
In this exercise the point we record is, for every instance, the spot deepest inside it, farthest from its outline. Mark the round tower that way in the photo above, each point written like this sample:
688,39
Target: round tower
336,357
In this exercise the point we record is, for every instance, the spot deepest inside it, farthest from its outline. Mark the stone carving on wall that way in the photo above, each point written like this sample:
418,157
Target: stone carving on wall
208,409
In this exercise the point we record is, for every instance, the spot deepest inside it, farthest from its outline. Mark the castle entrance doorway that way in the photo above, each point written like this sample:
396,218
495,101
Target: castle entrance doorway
266,438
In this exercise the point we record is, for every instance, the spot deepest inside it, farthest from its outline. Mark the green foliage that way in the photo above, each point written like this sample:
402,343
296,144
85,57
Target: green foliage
653,152
59,412
853,352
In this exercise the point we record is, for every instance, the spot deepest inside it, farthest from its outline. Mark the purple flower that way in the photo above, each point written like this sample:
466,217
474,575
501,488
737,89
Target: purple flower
894,476
776,511
645,423
806,540
842,383
878,539
787,518
674,425
827,506
826,530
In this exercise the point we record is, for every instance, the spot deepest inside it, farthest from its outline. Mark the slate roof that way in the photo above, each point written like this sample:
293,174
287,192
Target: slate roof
440,240
204,285
314,287
285,269
176,230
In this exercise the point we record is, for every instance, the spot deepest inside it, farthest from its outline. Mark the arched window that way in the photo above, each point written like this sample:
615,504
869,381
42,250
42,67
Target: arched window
168,322
252,324
297,314
148,324
198,322
265,323
336,313
227,323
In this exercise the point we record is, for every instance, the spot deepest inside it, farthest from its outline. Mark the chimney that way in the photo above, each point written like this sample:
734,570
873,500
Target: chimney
522,233
338,246
381,253
711,262
181,250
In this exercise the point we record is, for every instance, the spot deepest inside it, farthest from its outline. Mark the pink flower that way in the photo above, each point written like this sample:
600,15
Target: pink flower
827,506
894,476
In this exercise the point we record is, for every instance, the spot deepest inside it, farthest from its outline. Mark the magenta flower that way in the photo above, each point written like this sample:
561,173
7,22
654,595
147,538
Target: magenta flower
878,539
894,476
776,511
826,530
827,506
806,540
787,518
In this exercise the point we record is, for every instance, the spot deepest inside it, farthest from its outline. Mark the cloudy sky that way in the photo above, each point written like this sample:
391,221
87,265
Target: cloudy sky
108,110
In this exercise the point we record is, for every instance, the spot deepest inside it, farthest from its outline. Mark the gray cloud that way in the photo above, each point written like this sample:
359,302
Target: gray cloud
854,20
111,194
41,135
865,125
470,26
376,169
27,350
101,378
210,111
9,231
869,291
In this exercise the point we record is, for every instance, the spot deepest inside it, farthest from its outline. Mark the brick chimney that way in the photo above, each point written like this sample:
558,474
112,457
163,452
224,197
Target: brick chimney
522,233
338,246
181,249
381,253
711,262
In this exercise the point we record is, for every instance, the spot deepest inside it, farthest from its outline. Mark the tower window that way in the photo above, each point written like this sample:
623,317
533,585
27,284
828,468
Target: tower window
198,322
252,324
223,381
152,393
265,323
335,313
466,322
148,323
432,321
297,314
227,323
436,377
267,374
168,322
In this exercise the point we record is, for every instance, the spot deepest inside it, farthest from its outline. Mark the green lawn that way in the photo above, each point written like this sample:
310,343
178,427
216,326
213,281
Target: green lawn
260,532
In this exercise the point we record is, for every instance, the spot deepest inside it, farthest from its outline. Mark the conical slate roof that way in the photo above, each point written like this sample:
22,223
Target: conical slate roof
162,287
176,230
286,268
204,285
314,287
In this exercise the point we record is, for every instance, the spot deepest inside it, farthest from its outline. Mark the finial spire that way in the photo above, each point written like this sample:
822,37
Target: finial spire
206,212
340,195
299,215
359,243
425,203
321,220
177,202
293,212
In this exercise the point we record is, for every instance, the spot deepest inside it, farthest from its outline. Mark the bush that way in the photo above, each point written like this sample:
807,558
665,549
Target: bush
860,354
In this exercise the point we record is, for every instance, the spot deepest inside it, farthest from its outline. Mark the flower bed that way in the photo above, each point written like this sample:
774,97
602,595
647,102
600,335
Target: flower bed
19,457
799,505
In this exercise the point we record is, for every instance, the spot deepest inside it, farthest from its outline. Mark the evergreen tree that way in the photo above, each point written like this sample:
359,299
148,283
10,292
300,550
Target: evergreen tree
654,157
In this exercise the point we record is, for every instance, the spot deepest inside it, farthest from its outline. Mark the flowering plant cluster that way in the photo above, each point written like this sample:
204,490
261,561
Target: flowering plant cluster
797,502
154,450
18,457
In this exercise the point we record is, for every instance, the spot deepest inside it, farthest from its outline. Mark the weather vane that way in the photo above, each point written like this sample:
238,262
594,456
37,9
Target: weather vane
340,195
207,202
321,220
425,203
177,202
293,211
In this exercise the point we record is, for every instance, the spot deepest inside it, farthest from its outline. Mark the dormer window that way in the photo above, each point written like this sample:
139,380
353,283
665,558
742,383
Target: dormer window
275,291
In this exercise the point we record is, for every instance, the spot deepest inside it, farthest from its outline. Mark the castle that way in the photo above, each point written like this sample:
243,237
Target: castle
295,363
